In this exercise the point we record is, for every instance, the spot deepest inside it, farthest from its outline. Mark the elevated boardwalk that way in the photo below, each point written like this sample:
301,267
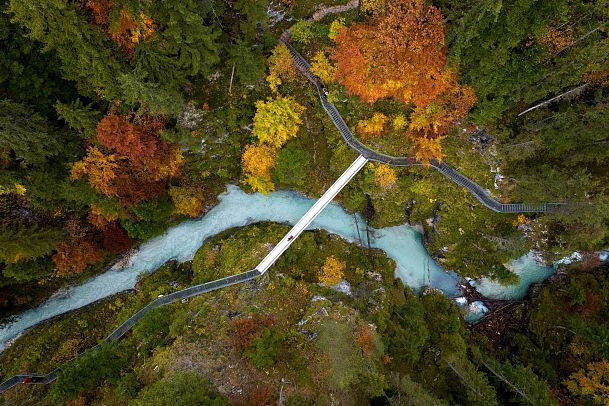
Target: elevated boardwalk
263,266
481,194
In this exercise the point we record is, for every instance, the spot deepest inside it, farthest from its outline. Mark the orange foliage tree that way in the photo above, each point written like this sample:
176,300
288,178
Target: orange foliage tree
401,54
113,175
128,31
281,67
258,160
137,163
593,382
372,126
74,257
99,217
365,340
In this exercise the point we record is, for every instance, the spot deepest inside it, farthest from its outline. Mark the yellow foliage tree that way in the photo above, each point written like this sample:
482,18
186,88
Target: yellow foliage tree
372,7
372,126
281,67
399,122
426,119
258,160
427,148
591,383
385,177
17,189
322,67
187,200
335,28
277,120
332,271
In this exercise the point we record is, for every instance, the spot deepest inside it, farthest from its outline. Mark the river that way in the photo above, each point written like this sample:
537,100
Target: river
236,209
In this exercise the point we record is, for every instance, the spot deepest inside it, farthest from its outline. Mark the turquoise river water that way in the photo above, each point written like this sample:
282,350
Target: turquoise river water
236,209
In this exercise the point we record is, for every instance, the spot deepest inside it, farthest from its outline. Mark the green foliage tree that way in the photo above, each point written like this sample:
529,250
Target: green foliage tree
150,97
153,330
19,242
264,350
26,73
179,389
151,218
411,393
475,383
85,52
26,134
28,270
89,371
408,332
79,117
292,167
182,45
528,389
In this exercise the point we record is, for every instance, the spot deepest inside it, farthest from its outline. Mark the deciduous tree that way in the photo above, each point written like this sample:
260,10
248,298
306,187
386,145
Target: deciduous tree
281,67
332,271
322,67
187,200
74,257
384,176
277,120
258,160
372,126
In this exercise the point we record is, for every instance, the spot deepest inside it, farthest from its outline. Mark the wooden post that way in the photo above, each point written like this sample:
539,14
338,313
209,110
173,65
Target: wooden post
230,87
357,226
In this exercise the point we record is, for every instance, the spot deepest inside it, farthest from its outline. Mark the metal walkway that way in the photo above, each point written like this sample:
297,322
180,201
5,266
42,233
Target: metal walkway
479,193
263,266
366,154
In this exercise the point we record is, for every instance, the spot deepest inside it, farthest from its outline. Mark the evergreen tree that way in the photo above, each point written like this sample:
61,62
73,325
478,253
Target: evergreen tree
18,242
79,117
26,134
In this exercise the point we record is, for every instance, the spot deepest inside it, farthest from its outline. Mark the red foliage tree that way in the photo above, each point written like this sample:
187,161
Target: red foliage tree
74,257
138,142
115,238
262,396
246,329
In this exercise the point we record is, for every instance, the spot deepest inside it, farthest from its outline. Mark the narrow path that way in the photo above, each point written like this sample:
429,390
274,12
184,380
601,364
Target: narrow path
479,193
261,268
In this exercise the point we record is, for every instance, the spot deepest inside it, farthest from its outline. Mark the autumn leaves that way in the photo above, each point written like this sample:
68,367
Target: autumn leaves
133,163
398,53
276,121
401,54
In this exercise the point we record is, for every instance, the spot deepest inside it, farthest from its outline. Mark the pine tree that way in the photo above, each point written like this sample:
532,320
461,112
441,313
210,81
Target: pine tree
26,133
19,243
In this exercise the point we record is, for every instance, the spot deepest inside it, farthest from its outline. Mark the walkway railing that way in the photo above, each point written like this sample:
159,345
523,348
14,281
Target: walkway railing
34,378
261,268
481,194
366,154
